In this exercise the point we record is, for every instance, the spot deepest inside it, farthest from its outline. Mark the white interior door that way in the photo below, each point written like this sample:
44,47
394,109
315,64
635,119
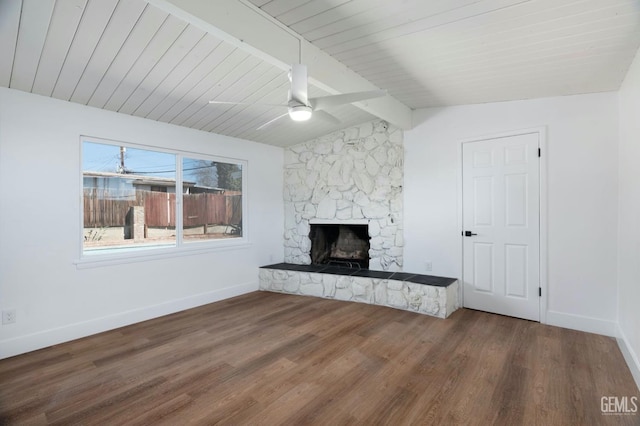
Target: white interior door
501,225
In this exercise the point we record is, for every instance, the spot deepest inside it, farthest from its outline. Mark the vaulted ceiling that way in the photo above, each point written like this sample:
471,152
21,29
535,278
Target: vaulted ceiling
165,59
452,52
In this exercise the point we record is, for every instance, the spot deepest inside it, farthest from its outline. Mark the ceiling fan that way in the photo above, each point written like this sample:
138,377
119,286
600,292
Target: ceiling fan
300,107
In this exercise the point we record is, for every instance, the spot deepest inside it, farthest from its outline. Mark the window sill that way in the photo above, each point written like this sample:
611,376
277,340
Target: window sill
150,254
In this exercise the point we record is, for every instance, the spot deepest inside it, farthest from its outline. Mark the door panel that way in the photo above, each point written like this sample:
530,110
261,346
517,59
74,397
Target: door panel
516,200
483,267
516,256
501,204
483,190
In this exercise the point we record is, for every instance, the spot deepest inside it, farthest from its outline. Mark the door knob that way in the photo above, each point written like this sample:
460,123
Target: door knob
469,234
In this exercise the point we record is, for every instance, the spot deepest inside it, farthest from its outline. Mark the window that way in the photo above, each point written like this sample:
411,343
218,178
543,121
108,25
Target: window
137,198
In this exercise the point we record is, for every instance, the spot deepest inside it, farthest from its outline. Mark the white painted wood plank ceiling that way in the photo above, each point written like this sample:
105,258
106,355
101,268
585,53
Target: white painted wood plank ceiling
137,57
452,52
131,57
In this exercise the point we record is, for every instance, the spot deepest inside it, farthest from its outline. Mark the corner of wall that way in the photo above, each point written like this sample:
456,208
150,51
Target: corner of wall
628,316
629,355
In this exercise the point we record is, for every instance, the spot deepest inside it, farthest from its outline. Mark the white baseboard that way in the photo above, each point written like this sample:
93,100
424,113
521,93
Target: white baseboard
43,339
582,323
629,356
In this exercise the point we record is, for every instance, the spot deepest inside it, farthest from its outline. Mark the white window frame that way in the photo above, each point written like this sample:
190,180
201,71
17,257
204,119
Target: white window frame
181,247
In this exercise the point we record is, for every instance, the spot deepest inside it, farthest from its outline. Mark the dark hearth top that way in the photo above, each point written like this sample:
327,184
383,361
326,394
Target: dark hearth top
338,270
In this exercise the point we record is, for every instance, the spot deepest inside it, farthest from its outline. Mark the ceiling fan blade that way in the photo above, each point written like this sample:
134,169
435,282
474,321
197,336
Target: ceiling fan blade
347,98
245,103
325,116
270,122
298,78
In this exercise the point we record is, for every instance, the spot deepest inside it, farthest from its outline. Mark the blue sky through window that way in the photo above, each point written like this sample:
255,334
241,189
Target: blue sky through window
99,157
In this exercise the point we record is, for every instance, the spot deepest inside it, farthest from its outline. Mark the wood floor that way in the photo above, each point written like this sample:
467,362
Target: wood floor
269,359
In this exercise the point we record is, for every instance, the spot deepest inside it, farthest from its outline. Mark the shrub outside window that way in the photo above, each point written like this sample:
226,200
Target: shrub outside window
138,198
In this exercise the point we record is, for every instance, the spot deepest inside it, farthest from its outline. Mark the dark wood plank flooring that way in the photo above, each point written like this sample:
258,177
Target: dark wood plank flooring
268,359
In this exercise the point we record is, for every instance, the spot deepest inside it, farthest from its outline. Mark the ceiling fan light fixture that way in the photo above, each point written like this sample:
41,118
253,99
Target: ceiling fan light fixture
300,113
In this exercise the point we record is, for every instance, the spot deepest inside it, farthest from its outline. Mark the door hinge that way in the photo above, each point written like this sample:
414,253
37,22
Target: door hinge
539,291
539,152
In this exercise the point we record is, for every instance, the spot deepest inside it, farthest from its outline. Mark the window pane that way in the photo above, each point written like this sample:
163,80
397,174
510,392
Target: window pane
129,198
212,200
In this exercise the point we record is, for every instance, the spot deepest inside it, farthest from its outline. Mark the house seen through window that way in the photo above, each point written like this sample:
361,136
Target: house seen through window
135,198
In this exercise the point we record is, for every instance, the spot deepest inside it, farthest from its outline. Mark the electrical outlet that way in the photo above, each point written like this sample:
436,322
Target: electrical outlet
8,316
428,266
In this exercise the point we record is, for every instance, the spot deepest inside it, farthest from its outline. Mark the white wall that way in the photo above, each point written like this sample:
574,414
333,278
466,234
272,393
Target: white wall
40,232
581,158
629,219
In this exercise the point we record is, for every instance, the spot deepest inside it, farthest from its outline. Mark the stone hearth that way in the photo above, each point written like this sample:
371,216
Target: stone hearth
425,294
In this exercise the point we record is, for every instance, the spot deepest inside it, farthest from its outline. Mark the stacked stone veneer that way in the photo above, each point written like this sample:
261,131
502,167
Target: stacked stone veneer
424,299
354,175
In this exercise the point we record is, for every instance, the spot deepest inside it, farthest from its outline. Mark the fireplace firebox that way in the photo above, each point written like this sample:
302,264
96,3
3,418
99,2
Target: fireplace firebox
340,244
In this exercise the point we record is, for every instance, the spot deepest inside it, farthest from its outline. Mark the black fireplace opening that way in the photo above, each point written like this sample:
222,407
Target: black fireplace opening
340,244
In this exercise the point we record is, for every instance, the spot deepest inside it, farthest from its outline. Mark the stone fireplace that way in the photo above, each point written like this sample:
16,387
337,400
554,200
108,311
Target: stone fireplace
343,212
353,176
340,244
